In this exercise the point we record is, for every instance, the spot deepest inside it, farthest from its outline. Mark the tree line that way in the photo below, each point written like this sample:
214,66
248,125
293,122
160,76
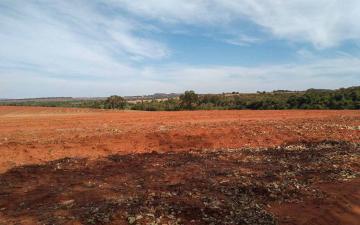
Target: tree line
343,98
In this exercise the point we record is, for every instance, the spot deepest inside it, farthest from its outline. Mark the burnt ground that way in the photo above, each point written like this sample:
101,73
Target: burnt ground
229,186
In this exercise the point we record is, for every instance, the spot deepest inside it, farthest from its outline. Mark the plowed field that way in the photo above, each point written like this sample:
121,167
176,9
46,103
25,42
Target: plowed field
82,166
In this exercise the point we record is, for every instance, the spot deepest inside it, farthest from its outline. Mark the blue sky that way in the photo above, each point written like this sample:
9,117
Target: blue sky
136,47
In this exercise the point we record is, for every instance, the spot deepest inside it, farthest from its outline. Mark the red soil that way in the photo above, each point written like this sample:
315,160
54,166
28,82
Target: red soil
342,206
36,135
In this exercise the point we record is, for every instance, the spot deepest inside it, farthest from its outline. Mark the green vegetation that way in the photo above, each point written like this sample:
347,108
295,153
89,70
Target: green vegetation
189,100
344,98
68,103
115,102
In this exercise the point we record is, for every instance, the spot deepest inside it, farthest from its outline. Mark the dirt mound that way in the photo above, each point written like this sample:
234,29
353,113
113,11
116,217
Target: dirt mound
233,186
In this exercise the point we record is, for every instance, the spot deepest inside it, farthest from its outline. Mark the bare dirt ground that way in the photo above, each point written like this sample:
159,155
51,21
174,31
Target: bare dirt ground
35,135
82,166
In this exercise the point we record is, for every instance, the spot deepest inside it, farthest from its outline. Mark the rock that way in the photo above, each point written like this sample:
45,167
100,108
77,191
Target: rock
131,219
138,217
67,202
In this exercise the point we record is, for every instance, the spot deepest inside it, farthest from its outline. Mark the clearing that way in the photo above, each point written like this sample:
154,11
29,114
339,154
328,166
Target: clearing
84,166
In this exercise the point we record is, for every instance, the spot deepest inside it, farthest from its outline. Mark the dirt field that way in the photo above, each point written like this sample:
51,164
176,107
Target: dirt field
36,135
201,167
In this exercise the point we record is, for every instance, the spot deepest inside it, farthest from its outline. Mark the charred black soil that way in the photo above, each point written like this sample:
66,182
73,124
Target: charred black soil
227,186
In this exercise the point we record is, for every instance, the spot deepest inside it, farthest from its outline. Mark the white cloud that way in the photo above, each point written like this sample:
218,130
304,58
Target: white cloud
329,73
71,38
306,54
243,40
324,23
140,46
78,48
175,11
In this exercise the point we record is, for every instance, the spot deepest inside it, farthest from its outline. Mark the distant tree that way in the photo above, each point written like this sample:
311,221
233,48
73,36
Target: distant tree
189,100
343,98
115,102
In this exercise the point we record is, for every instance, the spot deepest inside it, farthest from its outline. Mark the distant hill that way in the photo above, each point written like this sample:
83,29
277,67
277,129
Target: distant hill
50,99
64,99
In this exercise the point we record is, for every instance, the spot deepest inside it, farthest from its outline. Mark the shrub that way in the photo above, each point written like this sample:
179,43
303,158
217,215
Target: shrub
115,102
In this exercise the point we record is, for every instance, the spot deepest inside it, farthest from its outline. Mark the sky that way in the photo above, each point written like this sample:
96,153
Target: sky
94,48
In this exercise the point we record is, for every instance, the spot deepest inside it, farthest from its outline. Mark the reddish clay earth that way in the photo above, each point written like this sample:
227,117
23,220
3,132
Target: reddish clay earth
207,169
36,135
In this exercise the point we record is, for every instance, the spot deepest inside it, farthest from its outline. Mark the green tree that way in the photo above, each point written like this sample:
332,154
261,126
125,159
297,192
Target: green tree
115,102
189,100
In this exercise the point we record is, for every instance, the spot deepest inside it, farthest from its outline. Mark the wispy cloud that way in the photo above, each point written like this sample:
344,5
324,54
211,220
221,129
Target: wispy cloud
69,38
98,48
330,73
243,40
324,23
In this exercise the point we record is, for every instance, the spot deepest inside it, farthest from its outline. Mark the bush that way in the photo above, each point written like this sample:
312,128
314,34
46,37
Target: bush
189,100
115,102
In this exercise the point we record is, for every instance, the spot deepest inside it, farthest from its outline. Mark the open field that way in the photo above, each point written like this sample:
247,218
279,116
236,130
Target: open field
86,166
